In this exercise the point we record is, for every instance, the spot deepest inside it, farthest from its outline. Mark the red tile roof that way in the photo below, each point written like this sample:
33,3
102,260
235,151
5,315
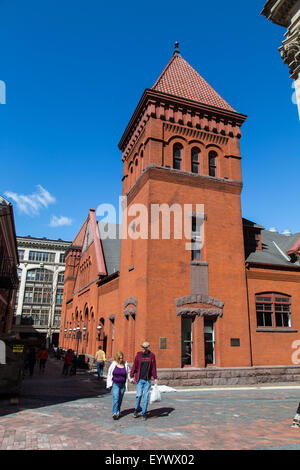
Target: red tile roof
180,79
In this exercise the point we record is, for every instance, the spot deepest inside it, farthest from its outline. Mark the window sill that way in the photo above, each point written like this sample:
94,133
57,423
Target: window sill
277,330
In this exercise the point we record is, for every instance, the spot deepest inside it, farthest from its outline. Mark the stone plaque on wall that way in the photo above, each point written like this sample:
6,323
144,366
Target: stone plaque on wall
162,343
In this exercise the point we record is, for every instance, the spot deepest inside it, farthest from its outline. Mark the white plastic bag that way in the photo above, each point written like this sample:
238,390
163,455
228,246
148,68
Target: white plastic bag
155,394
165,388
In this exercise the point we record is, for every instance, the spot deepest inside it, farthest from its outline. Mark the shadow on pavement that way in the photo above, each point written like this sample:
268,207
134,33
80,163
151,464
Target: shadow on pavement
156,413
51,388
160,412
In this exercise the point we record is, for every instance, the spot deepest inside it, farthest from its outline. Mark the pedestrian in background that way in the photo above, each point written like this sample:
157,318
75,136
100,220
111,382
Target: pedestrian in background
117,380
144,367
31,358
100,360
43,356
67,362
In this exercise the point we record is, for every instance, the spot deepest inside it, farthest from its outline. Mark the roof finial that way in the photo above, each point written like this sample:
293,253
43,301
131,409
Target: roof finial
176,50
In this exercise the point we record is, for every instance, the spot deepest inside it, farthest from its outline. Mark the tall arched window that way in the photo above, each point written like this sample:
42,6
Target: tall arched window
212,163
195,160
177,156
273,310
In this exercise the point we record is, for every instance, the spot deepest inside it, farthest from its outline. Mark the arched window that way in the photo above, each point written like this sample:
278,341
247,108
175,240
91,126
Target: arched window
195,160
86,313
273,310
177,156
212,163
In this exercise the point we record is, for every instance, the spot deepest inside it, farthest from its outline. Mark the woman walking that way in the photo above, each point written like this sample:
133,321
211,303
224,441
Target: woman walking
117,380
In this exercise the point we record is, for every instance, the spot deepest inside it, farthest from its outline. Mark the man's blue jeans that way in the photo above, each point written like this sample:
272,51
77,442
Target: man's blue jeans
117,393
100,368
142,391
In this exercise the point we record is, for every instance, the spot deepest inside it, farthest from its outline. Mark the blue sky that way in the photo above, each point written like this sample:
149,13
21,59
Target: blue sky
75,71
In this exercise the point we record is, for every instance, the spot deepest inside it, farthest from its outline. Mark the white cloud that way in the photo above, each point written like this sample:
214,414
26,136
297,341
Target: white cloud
32,204
59,221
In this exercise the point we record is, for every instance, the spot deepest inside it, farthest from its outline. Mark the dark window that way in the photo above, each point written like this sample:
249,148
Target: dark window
195,160
196,251
177,151
212,161
273,310
41,256
39,275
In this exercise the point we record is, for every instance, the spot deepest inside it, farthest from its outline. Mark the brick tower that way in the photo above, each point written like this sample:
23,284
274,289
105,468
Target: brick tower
181,147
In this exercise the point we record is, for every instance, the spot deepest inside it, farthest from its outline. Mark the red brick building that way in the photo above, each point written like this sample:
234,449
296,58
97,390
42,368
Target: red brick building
9,261
233,300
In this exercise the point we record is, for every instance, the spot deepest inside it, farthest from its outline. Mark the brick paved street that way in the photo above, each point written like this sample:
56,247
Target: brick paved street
57,412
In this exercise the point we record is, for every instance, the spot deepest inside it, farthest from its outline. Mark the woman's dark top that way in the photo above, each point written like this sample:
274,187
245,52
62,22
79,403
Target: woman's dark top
119,375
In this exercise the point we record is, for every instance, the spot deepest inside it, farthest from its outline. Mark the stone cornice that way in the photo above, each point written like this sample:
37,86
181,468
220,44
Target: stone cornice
178,110
277,267
200,312
290,53
198,298
130,301
43,244
278,11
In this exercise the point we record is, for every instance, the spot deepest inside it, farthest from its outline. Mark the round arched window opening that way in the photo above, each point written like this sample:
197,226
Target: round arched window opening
212,163
195,160
177,156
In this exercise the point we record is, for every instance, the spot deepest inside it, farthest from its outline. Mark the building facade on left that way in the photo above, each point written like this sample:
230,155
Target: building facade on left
8,265
41,281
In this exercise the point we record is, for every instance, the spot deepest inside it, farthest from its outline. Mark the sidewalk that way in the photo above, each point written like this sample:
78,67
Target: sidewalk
71,413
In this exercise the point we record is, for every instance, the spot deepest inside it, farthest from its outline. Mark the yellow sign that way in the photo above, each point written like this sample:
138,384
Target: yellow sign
18,348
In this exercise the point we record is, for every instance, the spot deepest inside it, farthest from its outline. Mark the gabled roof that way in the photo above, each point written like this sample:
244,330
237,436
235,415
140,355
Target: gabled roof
111,247
275,247
180,79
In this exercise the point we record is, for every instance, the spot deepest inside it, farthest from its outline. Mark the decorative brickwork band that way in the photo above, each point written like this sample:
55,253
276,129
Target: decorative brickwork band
130,301
198,298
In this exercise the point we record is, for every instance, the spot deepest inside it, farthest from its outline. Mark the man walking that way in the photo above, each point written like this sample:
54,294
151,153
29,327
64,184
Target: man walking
67,362
100,359
144,367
